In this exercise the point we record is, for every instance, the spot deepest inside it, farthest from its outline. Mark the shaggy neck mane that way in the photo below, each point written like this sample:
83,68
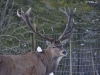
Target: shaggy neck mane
48,60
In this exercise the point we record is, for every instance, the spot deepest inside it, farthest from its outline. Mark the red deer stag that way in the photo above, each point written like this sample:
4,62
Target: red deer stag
38,63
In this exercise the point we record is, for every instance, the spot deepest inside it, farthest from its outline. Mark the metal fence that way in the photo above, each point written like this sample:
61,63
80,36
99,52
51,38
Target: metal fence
83,54
83,58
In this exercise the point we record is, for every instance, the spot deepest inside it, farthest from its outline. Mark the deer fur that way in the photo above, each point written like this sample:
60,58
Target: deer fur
31,63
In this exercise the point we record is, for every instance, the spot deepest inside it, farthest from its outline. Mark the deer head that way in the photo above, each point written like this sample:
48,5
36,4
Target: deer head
55,46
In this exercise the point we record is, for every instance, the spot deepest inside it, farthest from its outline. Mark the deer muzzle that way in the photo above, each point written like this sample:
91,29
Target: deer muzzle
64,53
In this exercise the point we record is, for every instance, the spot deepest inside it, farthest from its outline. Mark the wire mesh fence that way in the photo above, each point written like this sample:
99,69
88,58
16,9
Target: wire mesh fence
83,54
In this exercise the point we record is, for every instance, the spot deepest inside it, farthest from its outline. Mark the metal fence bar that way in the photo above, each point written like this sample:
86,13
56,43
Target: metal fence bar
92,61
71,57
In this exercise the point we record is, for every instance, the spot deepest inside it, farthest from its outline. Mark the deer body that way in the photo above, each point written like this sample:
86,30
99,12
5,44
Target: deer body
13,65
34,63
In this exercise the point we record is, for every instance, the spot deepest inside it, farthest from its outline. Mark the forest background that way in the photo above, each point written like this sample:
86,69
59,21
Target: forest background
44,15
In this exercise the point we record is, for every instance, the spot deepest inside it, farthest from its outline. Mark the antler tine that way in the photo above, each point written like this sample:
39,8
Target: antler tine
44,33
18,13
64,11
68,30
74,10
52,32
28,11
25,17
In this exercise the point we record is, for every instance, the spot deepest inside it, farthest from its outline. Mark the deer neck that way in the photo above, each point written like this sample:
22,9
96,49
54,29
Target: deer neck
51,62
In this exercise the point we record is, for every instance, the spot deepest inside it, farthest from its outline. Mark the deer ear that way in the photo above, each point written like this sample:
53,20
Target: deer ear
48,43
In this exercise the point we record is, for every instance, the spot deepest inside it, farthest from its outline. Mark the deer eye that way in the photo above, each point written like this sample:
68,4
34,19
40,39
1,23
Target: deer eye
53,47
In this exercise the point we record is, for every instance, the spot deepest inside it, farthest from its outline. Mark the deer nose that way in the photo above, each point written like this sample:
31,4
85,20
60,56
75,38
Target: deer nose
64,52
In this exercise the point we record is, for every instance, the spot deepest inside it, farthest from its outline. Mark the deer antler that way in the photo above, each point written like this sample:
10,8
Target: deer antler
25,17
68,30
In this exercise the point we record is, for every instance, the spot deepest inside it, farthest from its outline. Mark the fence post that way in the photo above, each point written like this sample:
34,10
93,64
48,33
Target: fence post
32,43
70,57
34,37
33,40
92,57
